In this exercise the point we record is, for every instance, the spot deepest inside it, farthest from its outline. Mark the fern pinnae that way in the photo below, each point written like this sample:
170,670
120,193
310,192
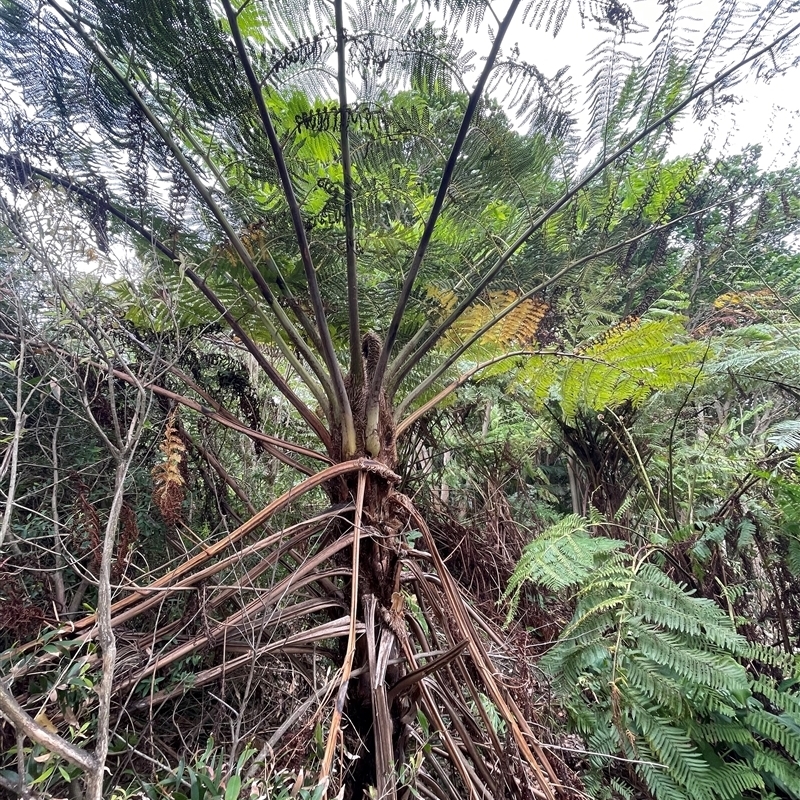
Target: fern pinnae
672,747
731,781
784,773
694,665
658,685
559,557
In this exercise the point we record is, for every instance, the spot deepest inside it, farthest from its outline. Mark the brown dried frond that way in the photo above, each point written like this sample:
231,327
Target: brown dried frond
736,310
518,327
128,534
18,615
86,531
762,298
521,325
169,476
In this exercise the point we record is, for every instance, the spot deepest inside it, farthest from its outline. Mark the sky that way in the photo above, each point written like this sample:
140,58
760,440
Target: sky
765,113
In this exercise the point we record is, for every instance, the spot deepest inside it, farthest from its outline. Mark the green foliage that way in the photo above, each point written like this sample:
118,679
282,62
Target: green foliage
787,499
626,364
651,673
561,556
202,142
208,777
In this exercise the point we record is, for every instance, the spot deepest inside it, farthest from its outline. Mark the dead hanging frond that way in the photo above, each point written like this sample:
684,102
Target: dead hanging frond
128,534
20,616
432,672
85,525
168,476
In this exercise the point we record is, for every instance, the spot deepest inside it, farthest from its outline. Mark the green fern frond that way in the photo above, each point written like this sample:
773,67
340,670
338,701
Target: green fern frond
732,781
783,698
780,773
728,732
691,665
785,435
661,784
626,364
559,557
781,729
672,747
656,674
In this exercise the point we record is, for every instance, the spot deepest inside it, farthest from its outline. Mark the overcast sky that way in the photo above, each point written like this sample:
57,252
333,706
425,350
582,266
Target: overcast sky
768,114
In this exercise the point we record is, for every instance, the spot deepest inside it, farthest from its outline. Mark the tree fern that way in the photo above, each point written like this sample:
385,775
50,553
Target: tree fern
625,364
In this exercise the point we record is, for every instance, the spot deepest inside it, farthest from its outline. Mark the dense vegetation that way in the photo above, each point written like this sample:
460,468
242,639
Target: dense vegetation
370,433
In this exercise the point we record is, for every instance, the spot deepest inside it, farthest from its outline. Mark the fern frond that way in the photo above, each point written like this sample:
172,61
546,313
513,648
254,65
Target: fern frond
785,435
559,557
625,364
674,749
732,781
780,729
660,671
168,480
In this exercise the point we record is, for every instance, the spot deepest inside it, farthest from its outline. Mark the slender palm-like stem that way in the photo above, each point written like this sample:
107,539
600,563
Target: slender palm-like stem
391,381
271,444
287,353
294,304
272,373
456,384
356,360
339,400
175,123
567,196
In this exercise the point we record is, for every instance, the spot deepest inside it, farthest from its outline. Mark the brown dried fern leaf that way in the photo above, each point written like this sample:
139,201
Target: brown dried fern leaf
519,326
85,525
168,476
128,534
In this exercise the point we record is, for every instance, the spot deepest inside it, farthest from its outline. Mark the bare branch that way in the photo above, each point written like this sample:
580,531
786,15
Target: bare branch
106,638
24,722
19,416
